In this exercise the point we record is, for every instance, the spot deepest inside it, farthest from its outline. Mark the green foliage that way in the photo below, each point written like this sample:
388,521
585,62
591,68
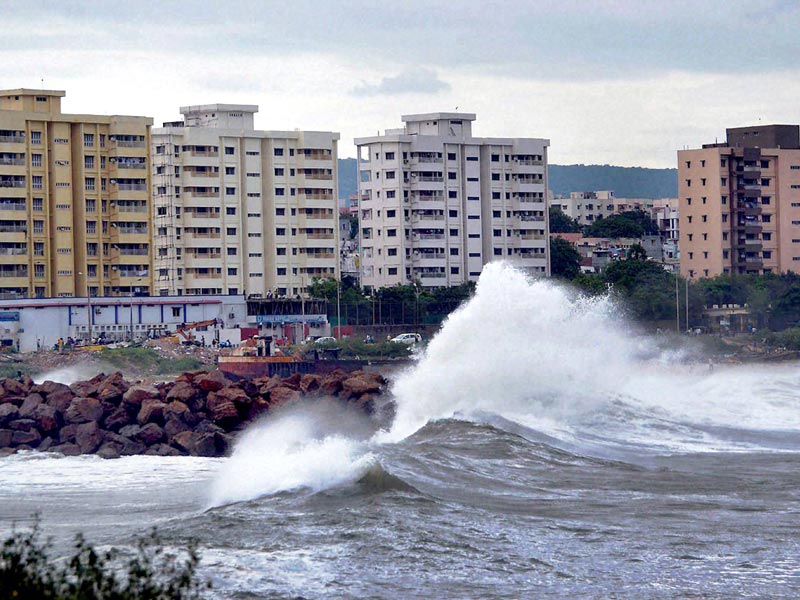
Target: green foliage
149,573
136,358
637,252
788,338
561,223
354,348
629,224
565,260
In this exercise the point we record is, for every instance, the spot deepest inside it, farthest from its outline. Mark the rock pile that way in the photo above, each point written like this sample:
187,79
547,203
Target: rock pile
198,414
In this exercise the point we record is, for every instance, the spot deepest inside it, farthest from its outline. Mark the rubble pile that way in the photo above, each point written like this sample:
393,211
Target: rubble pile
197,414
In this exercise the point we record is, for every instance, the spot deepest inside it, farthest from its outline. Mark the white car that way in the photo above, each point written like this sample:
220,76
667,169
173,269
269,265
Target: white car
407,338
325,340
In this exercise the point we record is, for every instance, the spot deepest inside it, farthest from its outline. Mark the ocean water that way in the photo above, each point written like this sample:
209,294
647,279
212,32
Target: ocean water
538,449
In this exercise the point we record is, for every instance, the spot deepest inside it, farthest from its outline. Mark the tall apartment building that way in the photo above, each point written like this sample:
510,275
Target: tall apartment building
74,200
239,210
436,204
740,203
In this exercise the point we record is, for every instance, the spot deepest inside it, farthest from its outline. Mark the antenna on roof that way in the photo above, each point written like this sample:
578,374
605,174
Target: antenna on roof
456,108
42,83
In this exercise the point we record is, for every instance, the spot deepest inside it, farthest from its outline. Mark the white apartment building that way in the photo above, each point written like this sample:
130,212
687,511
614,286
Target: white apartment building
436,204
588,207
241,211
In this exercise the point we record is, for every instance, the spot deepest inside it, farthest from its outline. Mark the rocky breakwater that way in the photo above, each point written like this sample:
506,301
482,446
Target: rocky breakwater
198,414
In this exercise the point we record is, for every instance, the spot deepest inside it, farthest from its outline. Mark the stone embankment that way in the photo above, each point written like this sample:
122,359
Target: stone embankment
197,414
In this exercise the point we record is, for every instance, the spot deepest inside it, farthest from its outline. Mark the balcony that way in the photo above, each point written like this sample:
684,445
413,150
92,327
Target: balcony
10,161
127,142
12,182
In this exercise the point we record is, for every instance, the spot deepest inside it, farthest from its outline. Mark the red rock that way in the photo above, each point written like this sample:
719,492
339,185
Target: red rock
45,444
220,408
22,424
60,400
29,405
83,410
150,434
130,431
152,411
83,388
67,433
174,426
332,383
361,383
213,381
162,450
67,449
176,409
48,387
138,394
8,412
282,395
47,418
182,391
13,387
293,381
234,394
88,437
310,383
28,438
118,419
109,451
6,436
265,384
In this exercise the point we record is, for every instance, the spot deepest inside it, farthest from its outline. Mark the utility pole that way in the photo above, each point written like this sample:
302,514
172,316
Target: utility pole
677,305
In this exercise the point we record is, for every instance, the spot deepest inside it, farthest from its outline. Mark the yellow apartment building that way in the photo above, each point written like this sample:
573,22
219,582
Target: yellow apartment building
739,203
75,191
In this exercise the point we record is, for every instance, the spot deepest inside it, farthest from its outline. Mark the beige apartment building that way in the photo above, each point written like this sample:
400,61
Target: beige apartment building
740,203
74,200
241,211
588,207
436,203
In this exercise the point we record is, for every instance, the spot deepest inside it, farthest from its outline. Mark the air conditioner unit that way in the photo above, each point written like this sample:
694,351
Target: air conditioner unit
231,315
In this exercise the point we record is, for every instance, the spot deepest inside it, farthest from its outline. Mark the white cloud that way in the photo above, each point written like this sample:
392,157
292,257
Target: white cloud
410,81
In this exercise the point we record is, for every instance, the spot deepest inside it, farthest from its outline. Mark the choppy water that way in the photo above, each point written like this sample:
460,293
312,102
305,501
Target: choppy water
538,451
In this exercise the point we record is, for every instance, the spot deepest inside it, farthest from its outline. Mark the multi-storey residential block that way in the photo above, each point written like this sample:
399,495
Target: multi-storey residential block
740,203
588,207
239,210
436,203
74,200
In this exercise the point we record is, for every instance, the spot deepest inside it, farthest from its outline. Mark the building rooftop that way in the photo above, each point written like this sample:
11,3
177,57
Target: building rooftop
245,108
32,92
436,116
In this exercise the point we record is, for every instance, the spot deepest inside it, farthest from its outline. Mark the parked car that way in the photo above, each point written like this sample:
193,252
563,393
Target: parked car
407,338
325,340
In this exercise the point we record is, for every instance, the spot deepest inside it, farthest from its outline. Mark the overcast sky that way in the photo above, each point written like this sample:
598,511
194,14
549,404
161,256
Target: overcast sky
625,82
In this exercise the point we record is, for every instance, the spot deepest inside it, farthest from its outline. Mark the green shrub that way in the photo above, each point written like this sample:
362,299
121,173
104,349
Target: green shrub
150,573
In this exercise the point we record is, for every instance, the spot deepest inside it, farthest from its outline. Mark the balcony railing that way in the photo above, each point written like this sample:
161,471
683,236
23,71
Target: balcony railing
14,272
13,251
132,187
129,143
13,228
12,139
12,183
133,251
14,162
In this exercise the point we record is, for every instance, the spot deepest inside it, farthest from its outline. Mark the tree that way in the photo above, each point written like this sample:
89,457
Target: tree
629,224
561,223
637,252
565,261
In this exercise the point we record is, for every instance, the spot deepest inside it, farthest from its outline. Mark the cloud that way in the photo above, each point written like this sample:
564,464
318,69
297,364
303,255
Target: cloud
410,81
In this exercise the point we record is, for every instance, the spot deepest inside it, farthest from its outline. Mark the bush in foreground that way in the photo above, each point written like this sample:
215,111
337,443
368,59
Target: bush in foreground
27,572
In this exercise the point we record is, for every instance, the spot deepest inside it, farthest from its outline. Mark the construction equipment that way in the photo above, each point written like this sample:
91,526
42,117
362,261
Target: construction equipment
184,335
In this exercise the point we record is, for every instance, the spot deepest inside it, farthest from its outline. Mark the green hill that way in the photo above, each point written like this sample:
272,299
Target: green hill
626,182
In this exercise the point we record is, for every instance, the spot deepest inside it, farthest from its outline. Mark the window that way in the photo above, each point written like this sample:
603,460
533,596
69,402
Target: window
88,140
392,252
391,232
279,171
281,271
451,175
91,226
231,231
253,153
451,156
495,158
229,150
230,191
452,194
390,214
38,227
36,160
497,232
498,251
702,181
766,218
37,182
688,164
765,182
390,174
278,152
495,195
279,191
89,184
36,138
705,218
230,210
390,156
232,271
454,270
280,231
495,177
230,170
688,183
392,270
767,253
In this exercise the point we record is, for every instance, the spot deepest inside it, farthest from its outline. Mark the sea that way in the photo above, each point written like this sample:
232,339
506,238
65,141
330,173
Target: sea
540,447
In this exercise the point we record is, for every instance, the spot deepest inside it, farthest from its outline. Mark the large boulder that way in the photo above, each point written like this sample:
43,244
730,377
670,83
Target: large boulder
13,388
22,424
236,395
212,381
197,443
27,438
360,383
174,426
282,395
293,381
221,409
112,388
88,437
109,451
8,412
162,450
60,399
6,435
130,431
310,383
182,391
67,449
67,433
84,410
150,434
332,383
29,405
48,387
152,411
138,394
84,388
47,418
118,419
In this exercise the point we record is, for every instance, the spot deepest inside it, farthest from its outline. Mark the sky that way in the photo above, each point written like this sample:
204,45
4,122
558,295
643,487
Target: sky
622,82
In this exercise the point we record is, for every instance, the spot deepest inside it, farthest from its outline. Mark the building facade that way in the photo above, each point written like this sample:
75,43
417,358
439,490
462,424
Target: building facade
588,207
739,203
242,211
436,203
75,215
